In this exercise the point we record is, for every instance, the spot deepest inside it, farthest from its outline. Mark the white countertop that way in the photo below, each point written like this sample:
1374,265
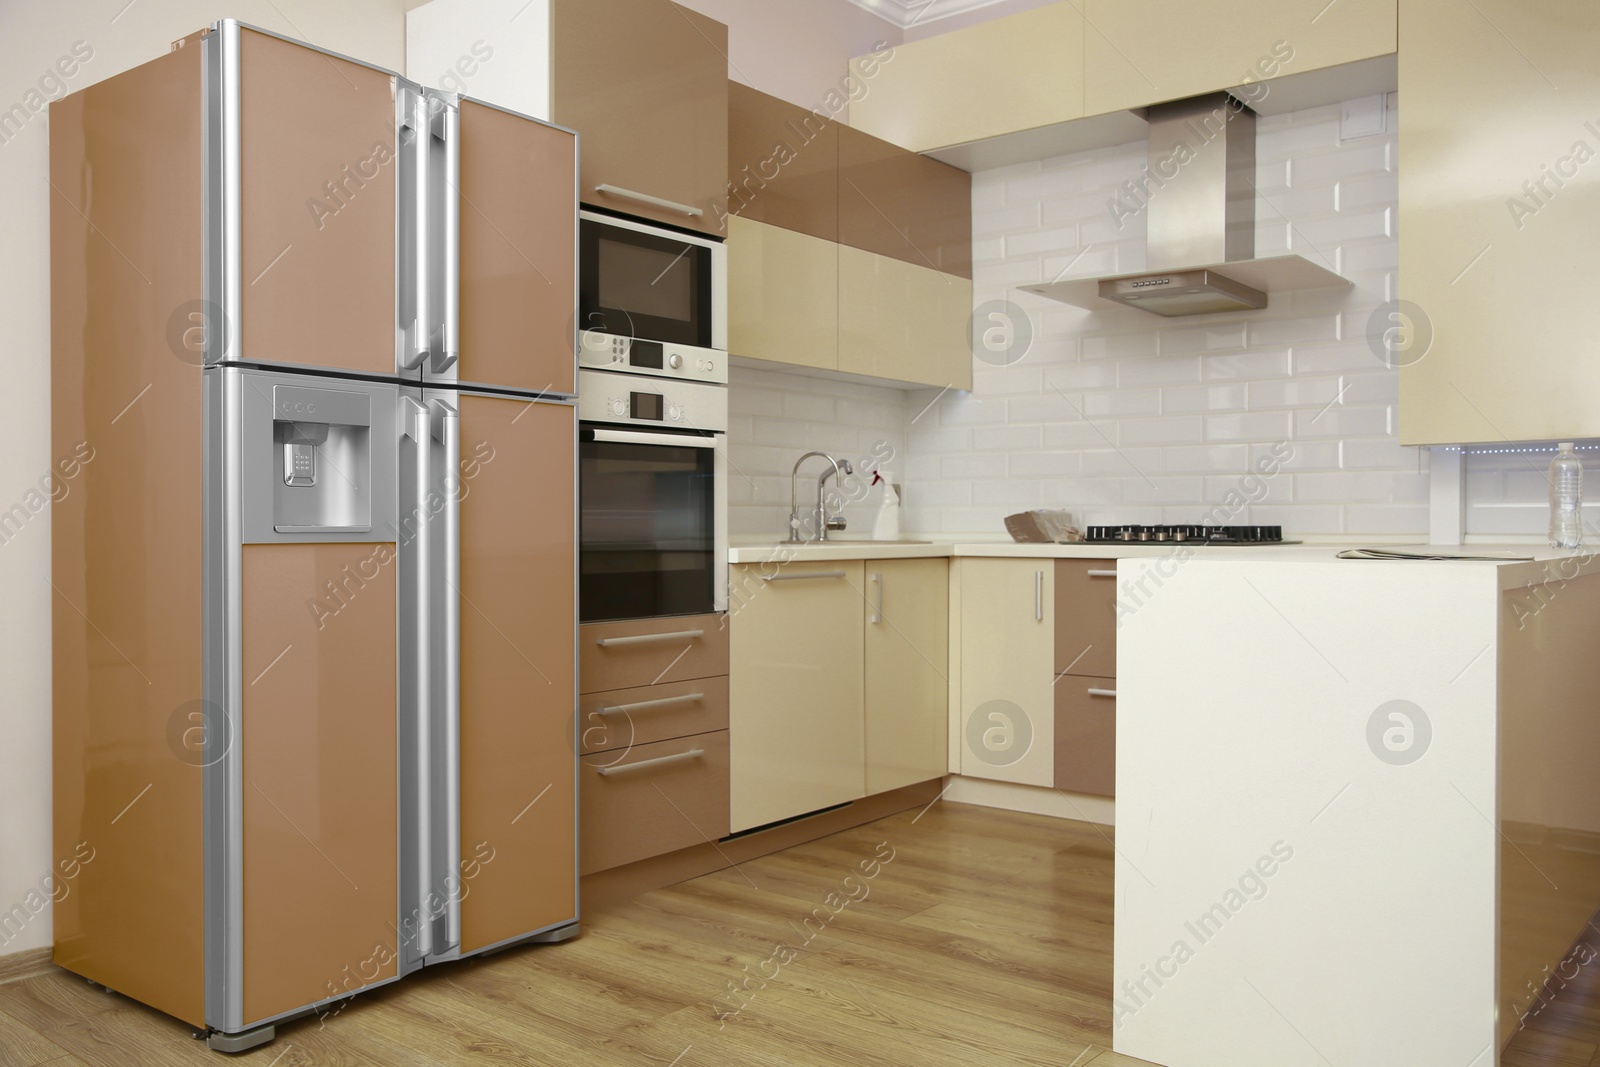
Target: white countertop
777,552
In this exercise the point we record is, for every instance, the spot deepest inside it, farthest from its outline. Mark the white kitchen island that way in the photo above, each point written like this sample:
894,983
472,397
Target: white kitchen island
1358,804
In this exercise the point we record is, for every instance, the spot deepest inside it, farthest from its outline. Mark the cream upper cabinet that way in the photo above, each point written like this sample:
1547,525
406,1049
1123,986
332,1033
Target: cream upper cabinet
1140,52
795,685
907,669
1002,76
783,295
904,322
1499,207
1005,632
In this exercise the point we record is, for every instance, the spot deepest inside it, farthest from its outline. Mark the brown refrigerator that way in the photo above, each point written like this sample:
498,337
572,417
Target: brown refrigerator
314,610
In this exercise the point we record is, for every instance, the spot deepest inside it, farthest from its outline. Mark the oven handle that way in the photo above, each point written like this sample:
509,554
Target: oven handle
646,437
646,198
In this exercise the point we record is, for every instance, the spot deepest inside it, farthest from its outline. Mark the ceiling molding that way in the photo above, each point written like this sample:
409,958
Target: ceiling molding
908,13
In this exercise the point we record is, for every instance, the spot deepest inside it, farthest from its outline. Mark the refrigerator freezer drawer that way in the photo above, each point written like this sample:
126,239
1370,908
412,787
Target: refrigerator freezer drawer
652,799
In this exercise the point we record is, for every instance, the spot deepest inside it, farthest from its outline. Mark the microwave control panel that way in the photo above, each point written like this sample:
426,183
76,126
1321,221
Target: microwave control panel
608,351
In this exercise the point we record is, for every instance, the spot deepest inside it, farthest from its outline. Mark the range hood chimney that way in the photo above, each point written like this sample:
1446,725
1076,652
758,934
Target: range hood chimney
1198,196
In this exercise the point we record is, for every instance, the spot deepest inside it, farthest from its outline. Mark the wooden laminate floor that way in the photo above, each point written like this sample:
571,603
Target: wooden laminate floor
959,936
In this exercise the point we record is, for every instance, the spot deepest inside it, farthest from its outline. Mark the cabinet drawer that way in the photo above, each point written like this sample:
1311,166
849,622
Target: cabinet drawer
1086,617
652,799
638,652
626,718
1086,735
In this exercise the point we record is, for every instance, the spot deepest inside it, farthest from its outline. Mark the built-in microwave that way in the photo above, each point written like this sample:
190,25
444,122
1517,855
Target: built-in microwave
651,300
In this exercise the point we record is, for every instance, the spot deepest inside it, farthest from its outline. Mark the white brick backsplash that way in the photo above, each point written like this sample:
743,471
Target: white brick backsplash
1120,416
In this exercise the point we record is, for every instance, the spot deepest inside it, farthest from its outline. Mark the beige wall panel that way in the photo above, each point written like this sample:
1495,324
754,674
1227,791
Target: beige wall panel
1141,52
1009,74
795,690
1502,279
783,295
125,447
519,233
907,671
320,792
317,197
518,680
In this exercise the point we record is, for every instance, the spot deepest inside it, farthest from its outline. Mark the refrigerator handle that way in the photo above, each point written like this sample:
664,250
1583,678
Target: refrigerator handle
447,429
415,140
418,426
450,196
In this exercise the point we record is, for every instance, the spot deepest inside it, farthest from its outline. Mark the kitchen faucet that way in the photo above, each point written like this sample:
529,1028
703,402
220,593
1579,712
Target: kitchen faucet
824,523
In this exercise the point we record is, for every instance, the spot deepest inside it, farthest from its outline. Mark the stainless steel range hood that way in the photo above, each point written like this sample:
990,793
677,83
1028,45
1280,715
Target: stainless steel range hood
1198,195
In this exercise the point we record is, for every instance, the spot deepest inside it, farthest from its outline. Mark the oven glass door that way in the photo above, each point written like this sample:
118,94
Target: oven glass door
651,286
647,542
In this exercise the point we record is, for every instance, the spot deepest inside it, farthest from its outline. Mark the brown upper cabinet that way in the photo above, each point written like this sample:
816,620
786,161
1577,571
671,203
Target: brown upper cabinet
904,206
783,163
646,86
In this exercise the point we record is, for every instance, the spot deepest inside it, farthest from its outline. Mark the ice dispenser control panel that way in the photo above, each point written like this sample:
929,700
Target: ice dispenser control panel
323,459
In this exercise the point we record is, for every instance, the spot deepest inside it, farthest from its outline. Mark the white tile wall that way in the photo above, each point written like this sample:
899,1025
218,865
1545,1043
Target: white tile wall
775,417
1508,491
1125,416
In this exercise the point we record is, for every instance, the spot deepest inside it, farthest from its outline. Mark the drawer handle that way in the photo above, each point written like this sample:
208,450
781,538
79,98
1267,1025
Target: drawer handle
653,201
659,761
649,639
650,705
801,577
1102,693
1101,574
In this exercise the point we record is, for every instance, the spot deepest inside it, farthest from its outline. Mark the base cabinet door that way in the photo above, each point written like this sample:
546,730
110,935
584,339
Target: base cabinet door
907,671
795,690
1086,735
1006,719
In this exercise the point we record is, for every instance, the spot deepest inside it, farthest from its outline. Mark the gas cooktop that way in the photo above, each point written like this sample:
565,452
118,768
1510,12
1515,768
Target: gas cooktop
1205,535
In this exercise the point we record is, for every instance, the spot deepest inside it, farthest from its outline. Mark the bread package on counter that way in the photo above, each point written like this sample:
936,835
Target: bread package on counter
1043,526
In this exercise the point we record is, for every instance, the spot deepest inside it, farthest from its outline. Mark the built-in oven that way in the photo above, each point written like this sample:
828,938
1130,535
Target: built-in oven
653,497
651,300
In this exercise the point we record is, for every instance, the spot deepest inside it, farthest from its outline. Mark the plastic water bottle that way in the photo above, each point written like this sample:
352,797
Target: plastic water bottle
1566,498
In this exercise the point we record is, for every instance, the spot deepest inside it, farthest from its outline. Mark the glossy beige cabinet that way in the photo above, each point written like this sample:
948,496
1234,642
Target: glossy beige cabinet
907,676
1001,76
1003,631
646,84
795,690
904,322
1140,52
783,295
1499,207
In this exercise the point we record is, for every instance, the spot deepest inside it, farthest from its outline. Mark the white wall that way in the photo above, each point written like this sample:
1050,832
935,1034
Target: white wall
796,49
1125,416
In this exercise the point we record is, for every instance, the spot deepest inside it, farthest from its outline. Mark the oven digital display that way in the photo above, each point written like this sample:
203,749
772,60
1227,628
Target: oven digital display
645,354
647,406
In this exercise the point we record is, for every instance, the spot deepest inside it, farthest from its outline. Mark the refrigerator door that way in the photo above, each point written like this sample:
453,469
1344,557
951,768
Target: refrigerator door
302,609
489,561
304,157
507,253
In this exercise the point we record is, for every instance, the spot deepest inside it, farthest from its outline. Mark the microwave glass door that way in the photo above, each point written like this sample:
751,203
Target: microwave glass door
645,285
648,537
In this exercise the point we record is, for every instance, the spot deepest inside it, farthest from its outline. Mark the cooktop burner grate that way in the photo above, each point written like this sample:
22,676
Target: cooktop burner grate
1208,535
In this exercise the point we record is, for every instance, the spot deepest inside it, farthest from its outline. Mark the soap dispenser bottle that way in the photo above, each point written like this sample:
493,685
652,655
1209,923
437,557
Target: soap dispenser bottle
887,526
